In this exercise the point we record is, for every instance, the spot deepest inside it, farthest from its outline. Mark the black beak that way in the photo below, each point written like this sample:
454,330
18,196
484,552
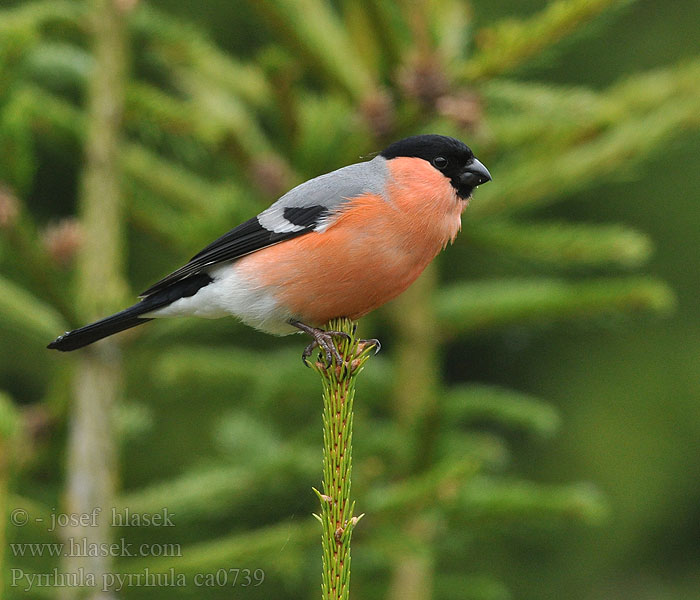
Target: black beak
474,174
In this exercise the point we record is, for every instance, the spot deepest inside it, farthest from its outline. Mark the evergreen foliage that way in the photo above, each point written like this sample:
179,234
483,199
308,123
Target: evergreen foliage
337,516
221,425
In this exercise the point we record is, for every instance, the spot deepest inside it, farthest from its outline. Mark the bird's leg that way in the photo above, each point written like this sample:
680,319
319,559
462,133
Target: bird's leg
321,338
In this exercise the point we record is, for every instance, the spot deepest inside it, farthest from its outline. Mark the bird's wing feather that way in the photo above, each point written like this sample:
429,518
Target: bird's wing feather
308,207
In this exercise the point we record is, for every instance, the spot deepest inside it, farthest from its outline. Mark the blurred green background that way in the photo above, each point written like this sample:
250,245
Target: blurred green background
530,429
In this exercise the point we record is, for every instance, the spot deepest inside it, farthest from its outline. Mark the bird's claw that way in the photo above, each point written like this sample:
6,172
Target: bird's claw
371,342
324,341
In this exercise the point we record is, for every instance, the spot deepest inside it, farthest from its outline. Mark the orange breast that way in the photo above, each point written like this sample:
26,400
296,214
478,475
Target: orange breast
374,250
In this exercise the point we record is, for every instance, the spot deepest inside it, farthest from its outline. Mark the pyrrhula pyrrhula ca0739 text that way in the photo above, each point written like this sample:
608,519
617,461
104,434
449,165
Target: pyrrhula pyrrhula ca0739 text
339,245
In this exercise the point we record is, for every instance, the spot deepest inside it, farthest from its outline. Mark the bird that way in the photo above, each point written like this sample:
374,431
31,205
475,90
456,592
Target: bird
339,245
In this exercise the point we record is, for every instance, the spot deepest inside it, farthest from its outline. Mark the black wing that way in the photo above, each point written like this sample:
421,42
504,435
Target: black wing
244,239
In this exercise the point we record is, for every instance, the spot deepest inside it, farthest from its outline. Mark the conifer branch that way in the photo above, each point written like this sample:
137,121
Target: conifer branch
317,34
486,305
480,403
25,316
337,510
512,42
562,244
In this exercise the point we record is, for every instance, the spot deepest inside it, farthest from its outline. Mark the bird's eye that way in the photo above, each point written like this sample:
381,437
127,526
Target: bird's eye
440,162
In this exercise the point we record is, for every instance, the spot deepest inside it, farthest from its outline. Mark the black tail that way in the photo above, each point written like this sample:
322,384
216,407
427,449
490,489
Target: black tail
126,319
129,317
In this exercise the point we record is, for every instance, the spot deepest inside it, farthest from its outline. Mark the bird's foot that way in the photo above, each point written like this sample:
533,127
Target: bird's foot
321,339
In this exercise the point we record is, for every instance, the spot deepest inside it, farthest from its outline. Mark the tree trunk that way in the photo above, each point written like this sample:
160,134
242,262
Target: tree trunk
92,444
415,408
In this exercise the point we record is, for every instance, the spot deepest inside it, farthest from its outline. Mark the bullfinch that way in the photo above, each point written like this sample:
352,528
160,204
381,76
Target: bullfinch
338,245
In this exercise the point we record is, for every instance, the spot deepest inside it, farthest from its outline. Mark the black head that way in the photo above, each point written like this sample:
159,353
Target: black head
452,158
